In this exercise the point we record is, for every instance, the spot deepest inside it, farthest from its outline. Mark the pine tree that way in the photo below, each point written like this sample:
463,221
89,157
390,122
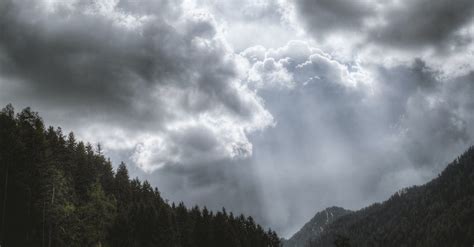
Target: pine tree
56,191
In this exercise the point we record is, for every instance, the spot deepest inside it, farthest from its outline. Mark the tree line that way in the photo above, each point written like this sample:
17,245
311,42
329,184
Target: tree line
57,191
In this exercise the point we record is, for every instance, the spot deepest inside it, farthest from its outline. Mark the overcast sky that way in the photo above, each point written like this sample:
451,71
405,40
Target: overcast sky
276,109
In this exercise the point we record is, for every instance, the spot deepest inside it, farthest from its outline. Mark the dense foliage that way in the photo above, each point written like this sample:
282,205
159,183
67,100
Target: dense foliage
439,213
56,191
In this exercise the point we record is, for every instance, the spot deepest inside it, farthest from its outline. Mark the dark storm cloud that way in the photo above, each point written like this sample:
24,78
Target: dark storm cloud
424,23
324,16
143,67
165,8
73,59
403,24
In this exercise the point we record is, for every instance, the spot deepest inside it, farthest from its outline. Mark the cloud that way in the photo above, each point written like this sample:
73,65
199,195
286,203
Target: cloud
411,24
325,16
298,63
351,133
265,21
402,24
383,32
157,70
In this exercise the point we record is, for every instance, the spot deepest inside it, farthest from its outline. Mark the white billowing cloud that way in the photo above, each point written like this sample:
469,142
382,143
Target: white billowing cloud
270,73
299,63
210,137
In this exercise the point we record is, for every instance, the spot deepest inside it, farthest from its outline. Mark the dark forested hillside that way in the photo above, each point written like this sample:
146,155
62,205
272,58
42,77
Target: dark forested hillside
56,191
439,213
315,226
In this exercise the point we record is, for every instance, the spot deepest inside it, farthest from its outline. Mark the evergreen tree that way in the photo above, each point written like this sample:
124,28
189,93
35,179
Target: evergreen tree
56,191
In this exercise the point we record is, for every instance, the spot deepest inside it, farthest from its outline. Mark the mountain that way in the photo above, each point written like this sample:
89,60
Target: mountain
57,191
439,213
315,226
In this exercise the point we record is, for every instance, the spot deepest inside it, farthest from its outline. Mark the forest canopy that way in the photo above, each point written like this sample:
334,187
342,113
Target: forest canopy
58,191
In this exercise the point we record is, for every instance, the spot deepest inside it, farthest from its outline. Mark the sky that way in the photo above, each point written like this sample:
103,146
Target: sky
271,108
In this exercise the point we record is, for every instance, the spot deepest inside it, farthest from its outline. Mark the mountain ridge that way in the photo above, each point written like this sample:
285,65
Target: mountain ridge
437,213
315,226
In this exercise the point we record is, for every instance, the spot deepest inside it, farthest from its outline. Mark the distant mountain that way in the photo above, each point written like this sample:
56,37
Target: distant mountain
439,213
315,226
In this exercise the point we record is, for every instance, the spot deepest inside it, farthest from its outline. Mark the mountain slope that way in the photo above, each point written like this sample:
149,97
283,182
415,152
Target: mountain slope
315,226
439,213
